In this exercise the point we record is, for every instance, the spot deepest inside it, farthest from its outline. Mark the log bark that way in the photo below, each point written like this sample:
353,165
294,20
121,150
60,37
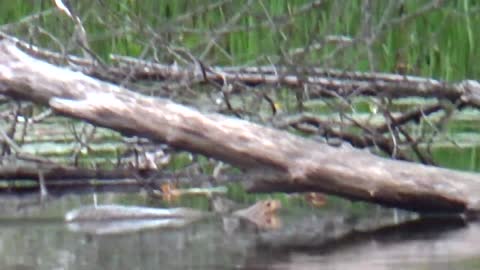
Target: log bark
275,160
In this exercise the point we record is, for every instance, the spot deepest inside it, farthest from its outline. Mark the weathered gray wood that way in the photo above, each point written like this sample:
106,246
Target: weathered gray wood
277,160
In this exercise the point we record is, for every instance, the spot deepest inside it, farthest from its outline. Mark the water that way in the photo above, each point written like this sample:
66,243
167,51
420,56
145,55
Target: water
33,235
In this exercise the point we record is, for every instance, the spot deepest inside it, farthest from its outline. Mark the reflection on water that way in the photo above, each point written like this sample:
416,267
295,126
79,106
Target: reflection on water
126,226
34,236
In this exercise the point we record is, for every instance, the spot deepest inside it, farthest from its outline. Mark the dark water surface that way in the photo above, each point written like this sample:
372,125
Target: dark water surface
33,235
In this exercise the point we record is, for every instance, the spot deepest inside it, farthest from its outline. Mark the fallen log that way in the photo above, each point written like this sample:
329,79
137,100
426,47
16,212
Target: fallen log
275,160
320,82
58,173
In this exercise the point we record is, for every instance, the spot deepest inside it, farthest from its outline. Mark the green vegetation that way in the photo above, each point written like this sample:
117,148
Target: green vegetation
437,43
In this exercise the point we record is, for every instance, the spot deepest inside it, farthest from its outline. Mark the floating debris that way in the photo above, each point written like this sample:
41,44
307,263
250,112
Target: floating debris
119,212
126,226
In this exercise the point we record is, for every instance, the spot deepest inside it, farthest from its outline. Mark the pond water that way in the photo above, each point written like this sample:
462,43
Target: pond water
33,235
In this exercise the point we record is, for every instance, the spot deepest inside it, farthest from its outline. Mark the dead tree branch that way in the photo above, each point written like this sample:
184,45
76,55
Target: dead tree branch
275,160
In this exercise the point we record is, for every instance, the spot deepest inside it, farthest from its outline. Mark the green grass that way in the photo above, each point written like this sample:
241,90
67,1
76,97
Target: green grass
440,43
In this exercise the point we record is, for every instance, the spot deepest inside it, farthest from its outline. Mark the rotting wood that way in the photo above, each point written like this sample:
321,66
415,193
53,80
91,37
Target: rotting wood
275,160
